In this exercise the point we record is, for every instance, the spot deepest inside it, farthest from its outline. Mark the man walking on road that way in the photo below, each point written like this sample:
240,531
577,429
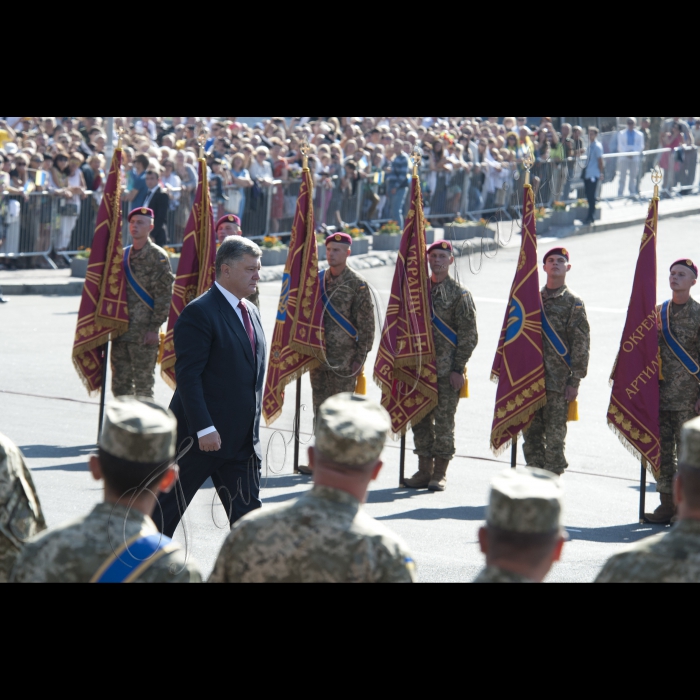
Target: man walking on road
679,343
456,337
566,340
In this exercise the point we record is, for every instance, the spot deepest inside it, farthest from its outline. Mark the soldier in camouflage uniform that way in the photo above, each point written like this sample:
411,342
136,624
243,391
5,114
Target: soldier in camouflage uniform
134,354
230,225
349,296
455,314
545,439
672,557
20,510
325,536
118,542
523,536
680,390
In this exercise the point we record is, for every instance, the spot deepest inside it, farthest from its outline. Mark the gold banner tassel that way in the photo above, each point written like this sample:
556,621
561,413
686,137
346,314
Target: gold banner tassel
361,386
161,349
573,412
464,394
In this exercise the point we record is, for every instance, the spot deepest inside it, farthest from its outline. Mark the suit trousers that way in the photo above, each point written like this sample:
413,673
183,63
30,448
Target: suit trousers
591,196
237,483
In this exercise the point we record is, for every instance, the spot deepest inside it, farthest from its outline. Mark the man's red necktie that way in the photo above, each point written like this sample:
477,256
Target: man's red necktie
248,327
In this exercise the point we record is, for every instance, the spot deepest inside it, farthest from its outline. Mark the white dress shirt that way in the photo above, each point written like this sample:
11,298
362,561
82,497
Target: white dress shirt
235,303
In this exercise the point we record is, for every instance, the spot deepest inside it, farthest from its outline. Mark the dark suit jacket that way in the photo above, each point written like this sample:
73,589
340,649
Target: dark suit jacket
219,382
160,203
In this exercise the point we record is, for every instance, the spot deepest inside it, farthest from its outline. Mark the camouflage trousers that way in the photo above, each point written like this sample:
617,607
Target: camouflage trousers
133,369
670,424
434,436
326,383
545,439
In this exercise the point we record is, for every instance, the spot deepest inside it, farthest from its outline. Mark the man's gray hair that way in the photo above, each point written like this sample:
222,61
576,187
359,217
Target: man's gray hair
234,248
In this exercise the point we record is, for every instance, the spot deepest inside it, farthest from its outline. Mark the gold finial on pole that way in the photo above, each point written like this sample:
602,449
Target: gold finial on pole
528,163
120,133
657,177
416,159
305,151
202,141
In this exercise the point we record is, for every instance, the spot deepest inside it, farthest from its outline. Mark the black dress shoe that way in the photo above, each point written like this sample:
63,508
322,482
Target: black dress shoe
3,300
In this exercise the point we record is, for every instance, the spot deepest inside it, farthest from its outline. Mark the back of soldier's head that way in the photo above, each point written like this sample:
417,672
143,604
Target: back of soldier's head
524,516
137,445
689,464
351,432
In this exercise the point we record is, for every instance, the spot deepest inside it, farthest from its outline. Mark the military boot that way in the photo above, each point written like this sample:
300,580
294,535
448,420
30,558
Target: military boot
421,480
439,481
664,513
304,471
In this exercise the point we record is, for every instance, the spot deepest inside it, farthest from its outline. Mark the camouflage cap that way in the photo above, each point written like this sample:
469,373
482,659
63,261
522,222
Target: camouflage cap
527,501
139,430
690,444
351,430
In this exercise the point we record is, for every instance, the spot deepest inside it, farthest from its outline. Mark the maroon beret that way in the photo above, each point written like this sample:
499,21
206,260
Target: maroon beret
558,251
687,263
440,245
228,219
142,211
344,238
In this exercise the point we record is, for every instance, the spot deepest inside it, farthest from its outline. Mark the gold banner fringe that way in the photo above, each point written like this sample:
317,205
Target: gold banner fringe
633,450
523,418
92,393
284,383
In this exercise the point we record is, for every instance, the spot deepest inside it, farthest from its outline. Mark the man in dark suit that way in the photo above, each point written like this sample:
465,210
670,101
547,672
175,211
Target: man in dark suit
221,351
159,202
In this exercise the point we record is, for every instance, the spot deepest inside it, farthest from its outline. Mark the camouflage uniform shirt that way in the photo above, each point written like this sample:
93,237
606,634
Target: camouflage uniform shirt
492,574
567,316
679,389
324,537
455,306
75,552
349,295
151,268
20,511
665,558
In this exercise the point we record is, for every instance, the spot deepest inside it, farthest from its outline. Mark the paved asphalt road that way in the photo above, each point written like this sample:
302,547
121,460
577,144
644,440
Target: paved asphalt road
602,485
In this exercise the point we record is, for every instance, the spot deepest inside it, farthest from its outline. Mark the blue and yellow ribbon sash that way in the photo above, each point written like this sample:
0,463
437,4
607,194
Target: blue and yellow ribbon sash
335,315
554,340
130,561
445,330
142,294
676,348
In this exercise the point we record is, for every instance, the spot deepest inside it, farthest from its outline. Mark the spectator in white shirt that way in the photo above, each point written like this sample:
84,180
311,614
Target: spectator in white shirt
631,140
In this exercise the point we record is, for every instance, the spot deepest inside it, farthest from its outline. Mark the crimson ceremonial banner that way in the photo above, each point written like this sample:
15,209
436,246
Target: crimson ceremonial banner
104,313
298,344
519,364
196,272
406,367
634,407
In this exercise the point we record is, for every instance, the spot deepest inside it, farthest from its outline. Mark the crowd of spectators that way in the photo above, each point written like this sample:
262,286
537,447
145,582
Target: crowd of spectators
361,166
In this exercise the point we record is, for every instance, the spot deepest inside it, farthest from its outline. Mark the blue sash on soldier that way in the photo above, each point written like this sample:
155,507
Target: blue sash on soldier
142,294
135,557
445,330
676,348
554,340
335,315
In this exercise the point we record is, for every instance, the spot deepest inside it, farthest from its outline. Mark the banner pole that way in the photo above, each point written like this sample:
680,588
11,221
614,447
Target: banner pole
402,473
514,454
103,392
643,495
297,425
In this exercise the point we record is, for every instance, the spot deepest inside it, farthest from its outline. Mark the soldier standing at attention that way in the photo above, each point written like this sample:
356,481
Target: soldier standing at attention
20,511
325,536
523,536
566,340
118,542
348,322
149,293
679,343
673,557
456,337
230,225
